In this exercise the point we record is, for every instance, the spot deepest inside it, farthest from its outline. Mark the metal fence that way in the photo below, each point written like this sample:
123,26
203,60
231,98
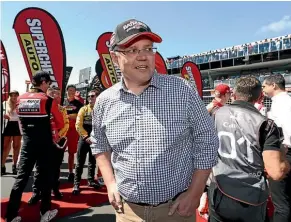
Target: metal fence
208,99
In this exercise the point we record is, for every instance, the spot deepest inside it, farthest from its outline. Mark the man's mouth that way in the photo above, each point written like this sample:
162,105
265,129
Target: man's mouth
141,67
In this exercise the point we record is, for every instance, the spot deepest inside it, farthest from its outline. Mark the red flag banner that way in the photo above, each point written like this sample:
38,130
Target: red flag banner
5,74
111,72
161,67
191,72
102,75
42,43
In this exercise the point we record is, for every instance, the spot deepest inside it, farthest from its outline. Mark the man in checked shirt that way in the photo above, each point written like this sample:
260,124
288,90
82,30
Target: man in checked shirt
154,132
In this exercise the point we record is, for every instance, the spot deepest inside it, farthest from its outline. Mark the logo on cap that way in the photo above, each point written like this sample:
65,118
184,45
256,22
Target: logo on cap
134,25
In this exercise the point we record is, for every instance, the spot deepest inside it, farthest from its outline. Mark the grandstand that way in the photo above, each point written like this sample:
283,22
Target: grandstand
260,58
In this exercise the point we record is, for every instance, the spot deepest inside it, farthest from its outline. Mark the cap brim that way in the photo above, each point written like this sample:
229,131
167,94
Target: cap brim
149,35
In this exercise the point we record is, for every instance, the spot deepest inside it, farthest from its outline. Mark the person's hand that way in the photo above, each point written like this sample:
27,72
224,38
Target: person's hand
6,116
88,140
114,196
185,205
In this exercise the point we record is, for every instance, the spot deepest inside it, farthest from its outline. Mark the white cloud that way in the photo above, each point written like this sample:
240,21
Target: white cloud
279,26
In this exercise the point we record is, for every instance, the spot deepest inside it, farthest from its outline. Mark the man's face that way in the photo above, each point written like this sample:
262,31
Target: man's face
57,95
51,93
13,97
227,96
268,89
45,85
136,65
71,92
92,98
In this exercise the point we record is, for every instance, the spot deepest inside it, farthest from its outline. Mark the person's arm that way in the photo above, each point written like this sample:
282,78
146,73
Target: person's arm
64,130
58,116
79,124
204,152
79,105
100,145
274,159
205,143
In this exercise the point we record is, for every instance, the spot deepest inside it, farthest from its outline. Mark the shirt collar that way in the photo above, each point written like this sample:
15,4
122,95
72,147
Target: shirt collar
245,104
155,82
278,95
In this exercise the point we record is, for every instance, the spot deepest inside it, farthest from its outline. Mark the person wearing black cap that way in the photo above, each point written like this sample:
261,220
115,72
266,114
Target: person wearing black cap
160,144
58,149
34,109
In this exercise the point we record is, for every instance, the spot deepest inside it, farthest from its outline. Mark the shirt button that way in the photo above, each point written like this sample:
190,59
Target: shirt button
139,183
138,117
138,160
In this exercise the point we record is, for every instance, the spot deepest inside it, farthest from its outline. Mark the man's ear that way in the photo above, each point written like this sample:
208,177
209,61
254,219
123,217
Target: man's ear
274,85
114,58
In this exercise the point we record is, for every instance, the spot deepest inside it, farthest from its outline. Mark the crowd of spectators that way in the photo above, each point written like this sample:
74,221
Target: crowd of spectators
258,47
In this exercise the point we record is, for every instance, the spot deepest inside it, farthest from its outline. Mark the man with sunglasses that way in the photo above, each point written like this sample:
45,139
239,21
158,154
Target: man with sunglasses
154,141
84,128
34,109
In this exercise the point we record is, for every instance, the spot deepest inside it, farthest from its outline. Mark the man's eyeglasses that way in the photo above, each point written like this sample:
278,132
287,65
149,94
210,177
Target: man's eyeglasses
91,96
134,52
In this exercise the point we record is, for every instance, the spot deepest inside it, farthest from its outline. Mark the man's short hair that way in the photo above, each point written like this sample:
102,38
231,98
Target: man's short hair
95,91
39,77
248,89
71,86
56,88
50,89
277,79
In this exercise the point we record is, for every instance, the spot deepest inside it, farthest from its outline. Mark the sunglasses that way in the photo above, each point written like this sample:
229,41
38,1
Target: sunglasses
91,96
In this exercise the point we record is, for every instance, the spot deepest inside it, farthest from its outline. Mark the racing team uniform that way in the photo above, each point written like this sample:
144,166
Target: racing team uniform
34,110
84,128
58,156
239,189
72,108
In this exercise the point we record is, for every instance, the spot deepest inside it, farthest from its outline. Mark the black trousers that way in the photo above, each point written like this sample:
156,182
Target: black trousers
281,196
225,209
34,150
84,149
57,156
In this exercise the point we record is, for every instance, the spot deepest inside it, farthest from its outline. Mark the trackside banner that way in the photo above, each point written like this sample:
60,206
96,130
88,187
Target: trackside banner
5,74
102,75
112,72
42,44
67,76
161,67
191,72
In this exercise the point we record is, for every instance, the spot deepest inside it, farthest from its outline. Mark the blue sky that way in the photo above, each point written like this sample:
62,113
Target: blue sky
186,27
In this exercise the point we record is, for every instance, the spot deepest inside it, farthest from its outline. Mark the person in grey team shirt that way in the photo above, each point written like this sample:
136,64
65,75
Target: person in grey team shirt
249,144
155,133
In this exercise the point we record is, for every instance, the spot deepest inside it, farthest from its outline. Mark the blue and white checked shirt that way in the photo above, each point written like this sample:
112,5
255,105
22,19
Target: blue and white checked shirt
157,139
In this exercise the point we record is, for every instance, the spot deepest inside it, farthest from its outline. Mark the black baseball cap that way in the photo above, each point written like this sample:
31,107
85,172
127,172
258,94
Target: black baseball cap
41,76
126,32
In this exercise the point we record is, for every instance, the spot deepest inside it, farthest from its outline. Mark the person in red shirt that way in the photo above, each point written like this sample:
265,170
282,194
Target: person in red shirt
79,97
35,109
222,95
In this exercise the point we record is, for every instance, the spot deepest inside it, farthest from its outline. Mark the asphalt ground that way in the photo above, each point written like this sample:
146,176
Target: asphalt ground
102,213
